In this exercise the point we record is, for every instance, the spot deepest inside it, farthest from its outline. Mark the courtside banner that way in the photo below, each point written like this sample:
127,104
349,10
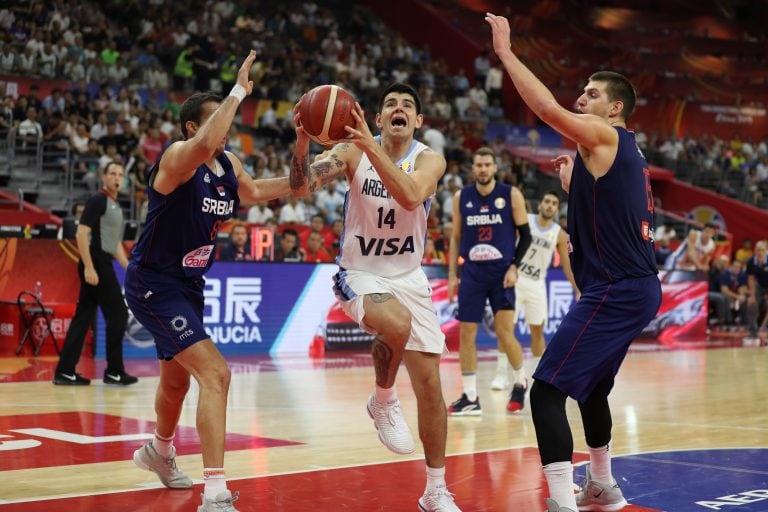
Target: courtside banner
272,308
250,308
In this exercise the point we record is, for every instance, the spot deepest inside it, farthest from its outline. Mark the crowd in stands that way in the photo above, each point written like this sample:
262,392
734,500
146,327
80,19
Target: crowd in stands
127,62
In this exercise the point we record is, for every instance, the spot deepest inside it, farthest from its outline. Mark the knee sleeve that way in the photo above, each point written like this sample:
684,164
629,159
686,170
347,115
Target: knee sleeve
596,417
553,433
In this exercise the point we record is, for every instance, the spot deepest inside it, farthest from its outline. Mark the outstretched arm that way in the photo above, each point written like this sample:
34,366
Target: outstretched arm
251,191
181,159
587,130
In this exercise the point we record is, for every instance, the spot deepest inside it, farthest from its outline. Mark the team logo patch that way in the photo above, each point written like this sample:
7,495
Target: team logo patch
222,191
198,258
645,229
484,208
499,203
405,166
179,323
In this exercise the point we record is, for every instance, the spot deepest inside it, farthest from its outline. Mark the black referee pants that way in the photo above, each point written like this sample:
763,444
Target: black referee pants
109,297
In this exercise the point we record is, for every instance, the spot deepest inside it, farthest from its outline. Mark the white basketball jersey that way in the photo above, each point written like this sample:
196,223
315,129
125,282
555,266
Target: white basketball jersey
680,260
379,235
538,257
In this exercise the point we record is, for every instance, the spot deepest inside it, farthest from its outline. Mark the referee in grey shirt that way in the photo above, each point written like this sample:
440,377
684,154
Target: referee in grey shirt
99,239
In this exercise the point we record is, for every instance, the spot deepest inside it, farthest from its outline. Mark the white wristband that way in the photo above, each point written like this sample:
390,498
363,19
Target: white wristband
238,91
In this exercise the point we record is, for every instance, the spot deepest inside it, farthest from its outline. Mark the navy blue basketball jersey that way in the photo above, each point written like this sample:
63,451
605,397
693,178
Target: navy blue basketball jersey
488,230
179,237
610,220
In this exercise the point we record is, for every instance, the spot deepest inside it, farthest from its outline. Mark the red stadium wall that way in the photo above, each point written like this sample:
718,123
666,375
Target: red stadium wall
739,219
22,264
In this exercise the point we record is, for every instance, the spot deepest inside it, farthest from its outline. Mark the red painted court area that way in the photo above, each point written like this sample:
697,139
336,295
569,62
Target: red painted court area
72,438
392,487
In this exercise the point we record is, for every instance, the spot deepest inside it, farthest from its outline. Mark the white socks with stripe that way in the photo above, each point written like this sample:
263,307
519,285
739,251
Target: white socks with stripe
162,445
215,482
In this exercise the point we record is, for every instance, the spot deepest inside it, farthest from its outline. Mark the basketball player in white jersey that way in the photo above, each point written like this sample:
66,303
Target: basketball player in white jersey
531,287
695,253
391,180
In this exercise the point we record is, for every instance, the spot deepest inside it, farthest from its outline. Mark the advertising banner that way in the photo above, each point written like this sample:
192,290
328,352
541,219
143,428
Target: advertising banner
274,308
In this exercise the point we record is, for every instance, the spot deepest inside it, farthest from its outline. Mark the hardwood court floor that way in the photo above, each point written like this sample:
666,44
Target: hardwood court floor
690,433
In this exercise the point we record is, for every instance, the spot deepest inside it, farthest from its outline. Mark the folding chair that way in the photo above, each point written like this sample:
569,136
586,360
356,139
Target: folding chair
32,311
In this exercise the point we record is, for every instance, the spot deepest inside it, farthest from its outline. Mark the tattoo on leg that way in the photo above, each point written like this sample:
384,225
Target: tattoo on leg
379,298
382,361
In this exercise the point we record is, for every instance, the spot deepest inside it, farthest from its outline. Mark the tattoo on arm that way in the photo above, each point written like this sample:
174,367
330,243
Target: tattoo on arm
382,361
299,172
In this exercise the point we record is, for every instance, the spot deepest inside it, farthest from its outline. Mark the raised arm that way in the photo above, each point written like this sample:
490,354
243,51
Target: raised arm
181,159
306,178
587,130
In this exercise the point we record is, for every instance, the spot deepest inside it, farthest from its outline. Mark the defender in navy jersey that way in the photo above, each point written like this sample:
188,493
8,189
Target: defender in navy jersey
610,221
487,216
194,188
380,284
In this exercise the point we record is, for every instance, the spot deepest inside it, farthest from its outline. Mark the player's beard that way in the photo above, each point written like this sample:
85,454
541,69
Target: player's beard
484,180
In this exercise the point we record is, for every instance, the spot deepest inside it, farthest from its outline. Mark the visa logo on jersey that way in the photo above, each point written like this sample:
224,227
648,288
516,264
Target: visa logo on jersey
218,206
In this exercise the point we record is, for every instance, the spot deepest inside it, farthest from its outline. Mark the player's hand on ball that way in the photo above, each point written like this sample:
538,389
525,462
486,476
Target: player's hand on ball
360,135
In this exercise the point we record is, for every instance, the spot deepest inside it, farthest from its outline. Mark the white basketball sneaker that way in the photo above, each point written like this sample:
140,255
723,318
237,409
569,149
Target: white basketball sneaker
389,421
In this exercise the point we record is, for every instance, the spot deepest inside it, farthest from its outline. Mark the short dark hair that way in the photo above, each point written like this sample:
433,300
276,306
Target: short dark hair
619,88
401,88
710,225
484,151
110,164
192,108
290,231
552,192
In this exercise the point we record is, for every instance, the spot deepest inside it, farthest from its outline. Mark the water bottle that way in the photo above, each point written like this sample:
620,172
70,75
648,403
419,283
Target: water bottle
39,290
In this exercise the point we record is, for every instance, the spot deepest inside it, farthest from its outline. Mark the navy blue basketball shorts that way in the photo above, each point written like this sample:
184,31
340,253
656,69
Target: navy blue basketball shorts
170,308
478,283
593,339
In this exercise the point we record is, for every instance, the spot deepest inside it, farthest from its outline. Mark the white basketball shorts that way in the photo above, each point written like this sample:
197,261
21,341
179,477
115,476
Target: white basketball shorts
412,290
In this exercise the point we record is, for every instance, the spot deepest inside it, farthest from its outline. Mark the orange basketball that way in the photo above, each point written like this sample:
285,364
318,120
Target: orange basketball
325,111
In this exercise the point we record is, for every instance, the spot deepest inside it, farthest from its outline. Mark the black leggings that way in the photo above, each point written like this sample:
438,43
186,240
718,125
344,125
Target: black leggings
553,433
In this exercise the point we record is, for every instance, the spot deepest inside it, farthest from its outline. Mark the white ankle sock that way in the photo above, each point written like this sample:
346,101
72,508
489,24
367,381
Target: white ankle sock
470,385
162,445
600,464
518,375
559,477
435,477
215,482
501,363
384,395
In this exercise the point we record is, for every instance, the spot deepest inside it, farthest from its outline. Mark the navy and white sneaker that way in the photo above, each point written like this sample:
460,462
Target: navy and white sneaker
465,407
517,398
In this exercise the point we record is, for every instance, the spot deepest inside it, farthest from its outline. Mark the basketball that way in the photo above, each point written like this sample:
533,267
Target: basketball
325,111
